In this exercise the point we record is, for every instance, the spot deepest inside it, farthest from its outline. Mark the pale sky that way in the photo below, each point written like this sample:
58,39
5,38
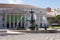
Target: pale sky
38,3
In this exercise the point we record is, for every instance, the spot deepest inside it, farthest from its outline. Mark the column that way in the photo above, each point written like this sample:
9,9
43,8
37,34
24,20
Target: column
17,20
10,21
13,20
41,21
25,20
5,21
21,20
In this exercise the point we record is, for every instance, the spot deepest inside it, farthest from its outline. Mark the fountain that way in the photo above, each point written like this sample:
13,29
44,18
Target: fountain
44,22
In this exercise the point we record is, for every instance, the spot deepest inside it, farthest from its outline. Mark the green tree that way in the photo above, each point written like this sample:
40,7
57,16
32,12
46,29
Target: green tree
55,19
58,18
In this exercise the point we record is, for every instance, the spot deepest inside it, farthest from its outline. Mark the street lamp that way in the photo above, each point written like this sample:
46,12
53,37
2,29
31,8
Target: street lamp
32,19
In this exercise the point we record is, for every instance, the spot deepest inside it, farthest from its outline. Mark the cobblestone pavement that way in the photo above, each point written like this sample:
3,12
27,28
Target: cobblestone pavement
31,36
39,36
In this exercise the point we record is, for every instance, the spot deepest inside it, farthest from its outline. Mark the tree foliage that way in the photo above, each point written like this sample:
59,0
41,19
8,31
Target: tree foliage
55,19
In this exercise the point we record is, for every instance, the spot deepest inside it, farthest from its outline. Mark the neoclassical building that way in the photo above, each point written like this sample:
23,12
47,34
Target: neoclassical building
18,14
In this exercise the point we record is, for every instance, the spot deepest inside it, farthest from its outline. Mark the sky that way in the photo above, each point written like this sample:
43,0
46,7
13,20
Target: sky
38,3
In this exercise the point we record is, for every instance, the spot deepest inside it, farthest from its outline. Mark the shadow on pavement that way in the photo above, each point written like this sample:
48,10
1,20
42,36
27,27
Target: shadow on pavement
6,34
3,34
13,34
42,31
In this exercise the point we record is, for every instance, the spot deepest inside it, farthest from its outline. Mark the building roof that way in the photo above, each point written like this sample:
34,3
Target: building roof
16,6
49,9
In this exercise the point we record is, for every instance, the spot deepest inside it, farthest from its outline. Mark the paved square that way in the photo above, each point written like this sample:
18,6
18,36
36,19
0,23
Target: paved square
30,36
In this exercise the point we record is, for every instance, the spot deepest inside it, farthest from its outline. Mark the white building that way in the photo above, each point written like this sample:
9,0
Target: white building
12,14
53,12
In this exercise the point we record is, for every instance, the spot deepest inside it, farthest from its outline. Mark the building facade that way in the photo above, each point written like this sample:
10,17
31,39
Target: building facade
13,15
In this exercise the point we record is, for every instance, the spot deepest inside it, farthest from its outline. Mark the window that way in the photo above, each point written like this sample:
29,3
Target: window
3,10
3,24
41,18
3,19
40,11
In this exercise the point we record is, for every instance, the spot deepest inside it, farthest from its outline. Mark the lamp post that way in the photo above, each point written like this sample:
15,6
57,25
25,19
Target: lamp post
32,19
